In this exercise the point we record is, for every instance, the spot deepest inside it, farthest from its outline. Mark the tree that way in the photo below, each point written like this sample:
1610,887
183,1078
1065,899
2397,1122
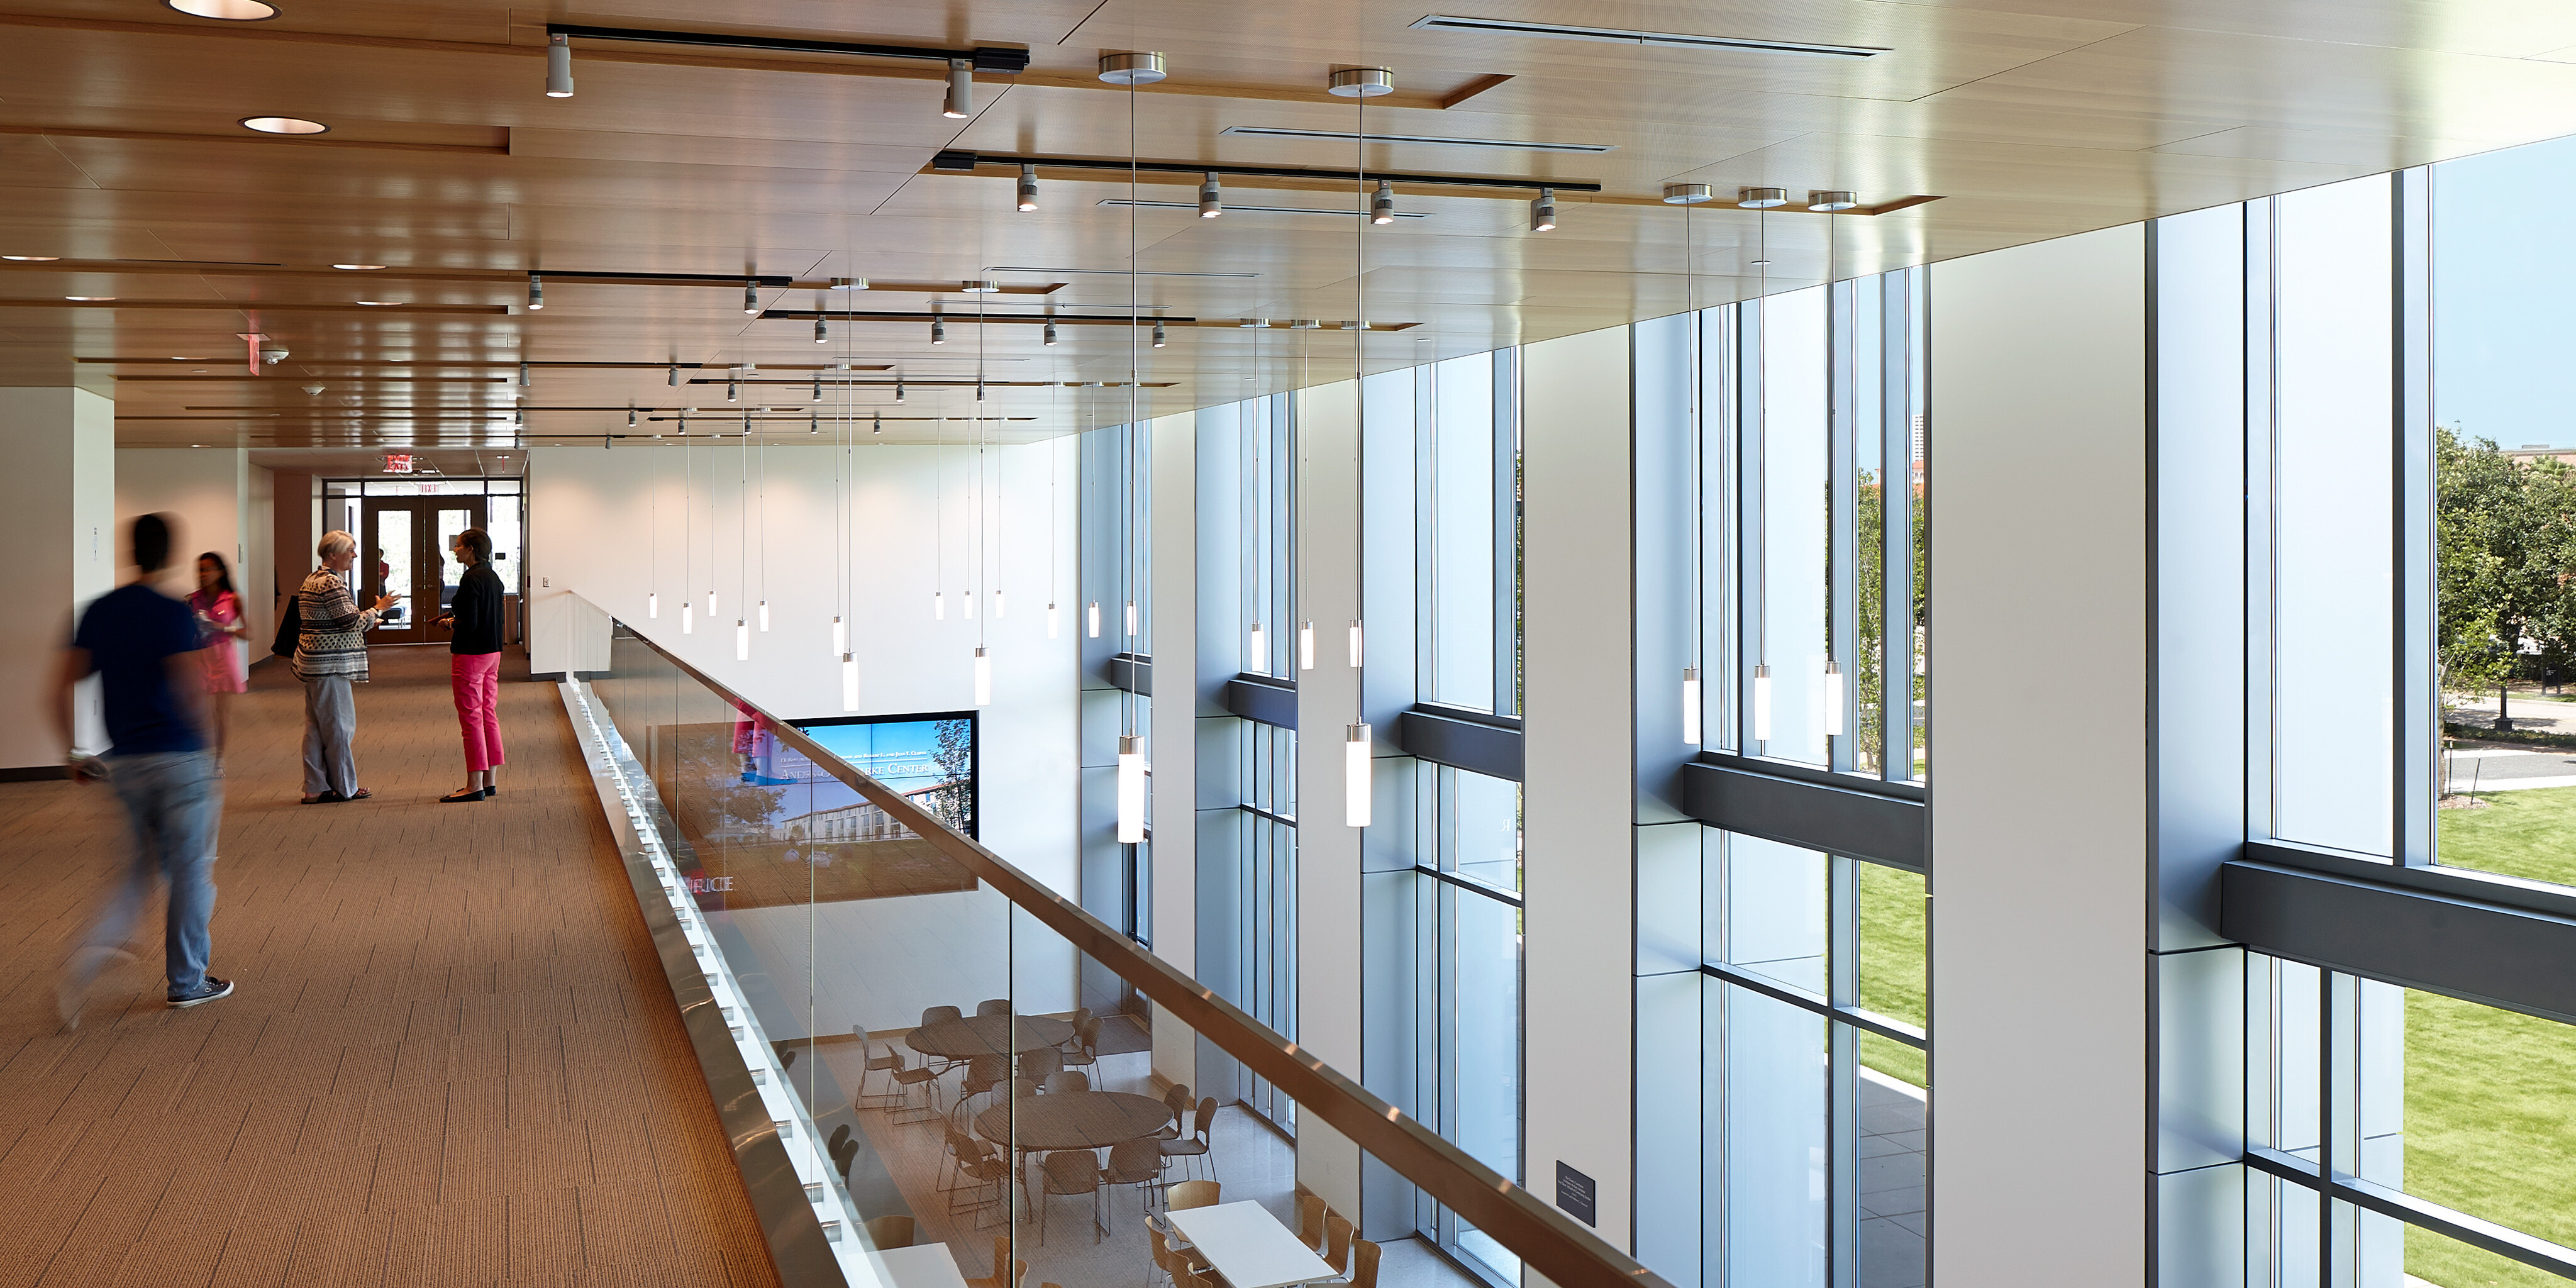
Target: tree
954,753
2505,537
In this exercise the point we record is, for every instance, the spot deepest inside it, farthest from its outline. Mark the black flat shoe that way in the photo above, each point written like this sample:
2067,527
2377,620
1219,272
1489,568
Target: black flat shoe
459,798
326,798
490,792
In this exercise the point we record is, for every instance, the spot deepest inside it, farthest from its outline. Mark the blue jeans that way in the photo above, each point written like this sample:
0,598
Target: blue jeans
173,801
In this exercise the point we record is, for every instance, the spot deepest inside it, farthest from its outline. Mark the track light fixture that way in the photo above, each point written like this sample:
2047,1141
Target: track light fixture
821,336
1761,198
519,415
1159,338
523,375
876,423
630,418
813,422
817,395
1050,334
898,389
1828,201
1028,187
751,298
961,90
1211,197
536,292
558,65
938,331
1543,211
733,387
1382,206
675,375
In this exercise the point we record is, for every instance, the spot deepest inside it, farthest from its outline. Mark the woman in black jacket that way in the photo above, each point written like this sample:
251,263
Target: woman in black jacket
475,667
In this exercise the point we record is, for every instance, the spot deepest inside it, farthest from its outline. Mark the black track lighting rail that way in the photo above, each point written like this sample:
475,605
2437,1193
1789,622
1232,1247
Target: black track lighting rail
711,279
958,160
986,58
890,315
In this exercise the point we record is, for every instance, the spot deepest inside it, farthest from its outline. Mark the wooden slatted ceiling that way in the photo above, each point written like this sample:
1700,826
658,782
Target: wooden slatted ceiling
2025,118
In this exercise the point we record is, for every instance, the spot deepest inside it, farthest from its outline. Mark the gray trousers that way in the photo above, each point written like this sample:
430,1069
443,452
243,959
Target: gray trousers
330,727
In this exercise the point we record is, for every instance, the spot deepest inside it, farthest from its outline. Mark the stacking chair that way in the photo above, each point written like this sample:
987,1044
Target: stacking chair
1002,1257
1195,1145
1178,1101
1364,1264
888,1232
1310,1219
993,1006
1072,1171
978,1168
983,1073
1080,1014
1337,1242
1196,1194
891,1063
939,1014
1186,1268
1038,1064
1067,1080
1136,1162
1083,1050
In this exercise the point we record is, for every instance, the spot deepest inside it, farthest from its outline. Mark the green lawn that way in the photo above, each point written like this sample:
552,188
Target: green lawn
2491,1095
1891,965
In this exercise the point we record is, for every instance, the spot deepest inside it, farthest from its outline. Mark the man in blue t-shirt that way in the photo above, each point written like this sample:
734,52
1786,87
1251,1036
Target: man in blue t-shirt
141,644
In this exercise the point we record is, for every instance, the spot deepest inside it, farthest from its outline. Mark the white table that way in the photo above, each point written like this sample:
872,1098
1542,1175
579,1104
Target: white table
923,1265
1248,1246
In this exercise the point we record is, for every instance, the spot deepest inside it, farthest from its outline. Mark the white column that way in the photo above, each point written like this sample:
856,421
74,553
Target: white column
1173,728
1578,808
57,505
209,490
2041,878
1328,852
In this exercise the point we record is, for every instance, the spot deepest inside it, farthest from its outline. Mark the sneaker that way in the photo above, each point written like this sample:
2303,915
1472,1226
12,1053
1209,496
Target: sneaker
212,990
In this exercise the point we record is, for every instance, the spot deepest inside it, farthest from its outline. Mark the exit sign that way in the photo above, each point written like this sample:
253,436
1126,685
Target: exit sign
397,462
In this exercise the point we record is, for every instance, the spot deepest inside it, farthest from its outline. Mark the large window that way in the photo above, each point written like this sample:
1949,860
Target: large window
1469,898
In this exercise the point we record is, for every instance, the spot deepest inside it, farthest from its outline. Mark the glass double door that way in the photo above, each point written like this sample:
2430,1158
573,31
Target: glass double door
403,551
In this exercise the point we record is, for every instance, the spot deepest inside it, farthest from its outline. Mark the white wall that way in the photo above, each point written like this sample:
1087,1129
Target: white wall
1329,954
1578,812
2041,882
221,500
591,530
56,519
1174,723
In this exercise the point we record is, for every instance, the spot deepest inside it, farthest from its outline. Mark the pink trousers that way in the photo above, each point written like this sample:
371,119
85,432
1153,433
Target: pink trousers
476,678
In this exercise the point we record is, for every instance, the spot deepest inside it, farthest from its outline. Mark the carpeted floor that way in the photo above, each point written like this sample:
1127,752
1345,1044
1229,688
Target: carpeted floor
452,1059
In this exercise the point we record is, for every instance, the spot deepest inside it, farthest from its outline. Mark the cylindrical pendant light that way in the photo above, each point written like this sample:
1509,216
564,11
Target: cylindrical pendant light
688,618
997,603
1358,645
840,636
1051,621
1356,791
938,607
741,640
764,617
1131,790
961,90
653,604
1256,656
558,65
849,682
1761,702
1834,707
1690,706
1092,615
983,678
1306,646
1131,619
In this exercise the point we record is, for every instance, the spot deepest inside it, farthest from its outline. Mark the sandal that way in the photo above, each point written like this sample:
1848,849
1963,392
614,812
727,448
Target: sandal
326,798
358,795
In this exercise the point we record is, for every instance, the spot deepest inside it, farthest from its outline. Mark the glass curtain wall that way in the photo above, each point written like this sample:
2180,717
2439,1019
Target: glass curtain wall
1812,526
1265,854
2415,521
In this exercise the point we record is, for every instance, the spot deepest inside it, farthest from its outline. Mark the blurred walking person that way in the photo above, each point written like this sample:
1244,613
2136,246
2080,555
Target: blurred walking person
142,645
218,609
474,664
330,655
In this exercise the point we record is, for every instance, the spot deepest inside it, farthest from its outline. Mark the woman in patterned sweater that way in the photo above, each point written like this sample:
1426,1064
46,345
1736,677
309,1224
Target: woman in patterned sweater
331,654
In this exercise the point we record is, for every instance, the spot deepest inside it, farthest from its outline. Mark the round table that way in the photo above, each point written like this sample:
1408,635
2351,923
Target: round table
976,1035
1073,1120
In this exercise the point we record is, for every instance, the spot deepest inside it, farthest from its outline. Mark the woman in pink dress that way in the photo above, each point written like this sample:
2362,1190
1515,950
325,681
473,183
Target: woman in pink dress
219,622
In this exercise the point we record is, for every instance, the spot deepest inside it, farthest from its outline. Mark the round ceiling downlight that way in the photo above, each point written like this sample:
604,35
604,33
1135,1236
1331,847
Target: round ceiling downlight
282,125
227,10
1361,82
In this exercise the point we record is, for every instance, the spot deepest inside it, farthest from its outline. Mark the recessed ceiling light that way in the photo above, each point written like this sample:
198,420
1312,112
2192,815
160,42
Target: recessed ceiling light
380,304
1259,210
228,10
32,259
90,299
282,125
357,268
1347,136
1626,36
